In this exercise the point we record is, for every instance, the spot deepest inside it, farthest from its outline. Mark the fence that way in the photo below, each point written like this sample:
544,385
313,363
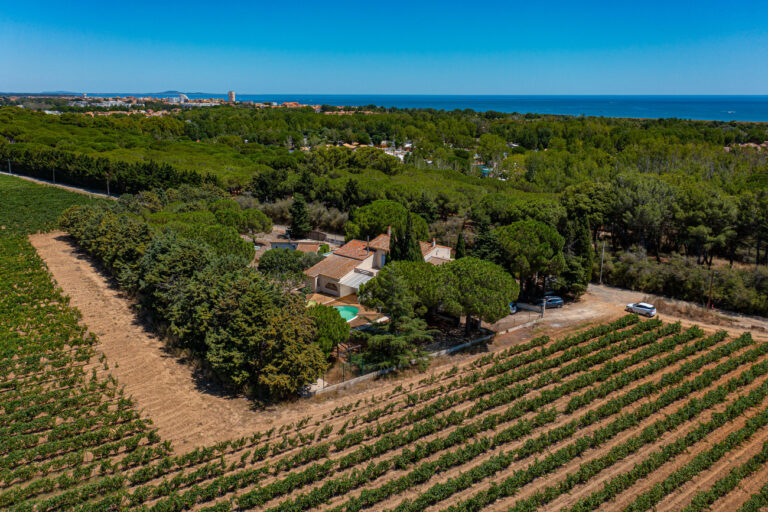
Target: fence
380,373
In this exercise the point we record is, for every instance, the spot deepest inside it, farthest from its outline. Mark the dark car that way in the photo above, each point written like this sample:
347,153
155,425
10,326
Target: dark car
551,301
512,308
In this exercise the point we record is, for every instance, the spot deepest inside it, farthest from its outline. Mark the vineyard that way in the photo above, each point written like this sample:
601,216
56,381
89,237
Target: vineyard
633,415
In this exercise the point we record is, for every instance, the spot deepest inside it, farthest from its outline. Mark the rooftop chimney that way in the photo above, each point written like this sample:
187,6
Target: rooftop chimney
434,243
389,230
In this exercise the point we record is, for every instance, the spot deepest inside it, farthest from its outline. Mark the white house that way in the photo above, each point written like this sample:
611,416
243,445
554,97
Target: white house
358,261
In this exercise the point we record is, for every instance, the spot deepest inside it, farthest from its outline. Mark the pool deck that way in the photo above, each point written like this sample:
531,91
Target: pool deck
364,315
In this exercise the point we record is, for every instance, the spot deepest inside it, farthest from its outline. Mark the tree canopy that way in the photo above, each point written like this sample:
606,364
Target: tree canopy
531,250
372,220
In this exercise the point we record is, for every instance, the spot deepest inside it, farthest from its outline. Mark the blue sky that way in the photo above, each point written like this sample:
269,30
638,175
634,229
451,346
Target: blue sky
554,47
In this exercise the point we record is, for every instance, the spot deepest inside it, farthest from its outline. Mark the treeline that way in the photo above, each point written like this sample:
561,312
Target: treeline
732,289
199,288
95,172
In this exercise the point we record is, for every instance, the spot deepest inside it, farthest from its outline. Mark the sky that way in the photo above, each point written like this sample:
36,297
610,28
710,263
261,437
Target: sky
448,47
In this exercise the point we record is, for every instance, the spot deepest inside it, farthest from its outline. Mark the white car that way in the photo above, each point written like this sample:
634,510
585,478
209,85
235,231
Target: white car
642,308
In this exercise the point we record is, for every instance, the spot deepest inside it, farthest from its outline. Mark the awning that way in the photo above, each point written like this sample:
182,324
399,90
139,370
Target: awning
355,279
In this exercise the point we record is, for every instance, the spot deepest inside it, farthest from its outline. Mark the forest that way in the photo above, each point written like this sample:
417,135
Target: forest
665,205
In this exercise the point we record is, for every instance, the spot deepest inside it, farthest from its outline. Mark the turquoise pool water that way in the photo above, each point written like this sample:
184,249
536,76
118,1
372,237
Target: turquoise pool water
347,312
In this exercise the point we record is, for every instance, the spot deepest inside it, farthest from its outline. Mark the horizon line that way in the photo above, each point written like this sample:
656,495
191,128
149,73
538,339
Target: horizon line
19,93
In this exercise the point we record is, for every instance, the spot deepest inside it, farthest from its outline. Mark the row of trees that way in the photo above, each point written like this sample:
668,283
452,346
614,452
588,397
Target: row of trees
113,176
251,333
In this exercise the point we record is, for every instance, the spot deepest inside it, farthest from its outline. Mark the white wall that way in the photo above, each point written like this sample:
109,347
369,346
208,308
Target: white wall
439,252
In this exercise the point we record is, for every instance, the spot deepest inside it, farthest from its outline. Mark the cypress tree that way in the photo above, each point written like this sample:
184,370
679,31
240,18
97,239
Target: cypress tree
403,246
300,226
461,246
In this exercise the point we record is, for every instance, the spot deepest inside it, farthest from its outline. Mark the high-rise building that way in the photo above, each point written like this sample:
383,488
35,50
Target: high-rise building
231,96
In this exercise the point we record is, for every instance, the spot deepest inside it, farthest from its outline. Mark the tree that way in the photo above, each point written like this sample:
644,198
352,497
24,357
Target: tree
579,256
351,196
374,219
491,149
395,349
257,221
277,262
485,246
168,261
461,246
231,218
260,338
426,207
588,201
403,246
305,185
389,291
425,283
268,184
300,226
531,250
332,329
478,289
292,359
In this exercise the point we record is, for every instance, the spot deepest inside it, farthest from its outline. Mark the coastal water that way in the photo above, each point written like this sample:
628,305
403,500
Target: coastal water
720,108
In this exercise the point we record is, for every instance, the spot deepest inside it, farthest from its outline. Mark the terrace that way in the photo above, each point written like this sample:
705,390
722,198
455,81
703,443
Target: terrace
364,315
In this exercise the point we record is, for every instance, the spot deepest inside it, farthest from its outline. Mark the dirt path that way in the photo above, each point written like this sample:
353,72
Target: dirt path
162,386
604,298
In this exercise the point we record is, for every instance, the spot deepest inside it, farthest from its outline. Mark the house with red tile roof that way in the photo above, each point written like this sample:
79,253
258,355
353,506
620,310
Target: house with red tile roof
357,262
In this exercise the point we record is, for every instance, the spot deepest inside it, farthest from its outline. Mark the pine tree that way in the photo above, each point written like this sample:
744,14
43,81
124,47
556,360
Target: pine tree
300,226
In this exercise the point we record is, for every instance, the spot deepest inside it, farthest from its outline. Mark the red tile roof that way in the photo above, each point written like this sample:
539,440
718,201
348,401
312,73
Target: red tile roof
307,247
381,243
427,246
333,266
355,249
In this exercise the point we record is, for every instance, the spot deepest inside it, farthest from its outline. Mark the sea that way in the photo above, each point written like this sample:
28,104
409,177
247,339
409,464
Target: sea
715,108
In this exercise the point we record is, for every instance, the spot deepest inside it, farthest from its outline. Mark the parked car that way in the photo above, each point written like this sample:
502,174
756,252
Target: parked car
551,301
642,308
512,308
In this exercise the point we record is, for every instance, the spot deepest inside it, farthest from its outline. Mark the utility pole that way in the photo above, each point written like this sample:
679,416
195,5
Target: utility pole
709,299
602,258
10,171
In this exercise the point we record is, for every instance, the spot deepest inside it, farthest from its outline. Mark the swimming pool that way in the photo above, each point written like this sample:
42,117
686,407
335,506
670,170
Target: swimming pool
348,313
